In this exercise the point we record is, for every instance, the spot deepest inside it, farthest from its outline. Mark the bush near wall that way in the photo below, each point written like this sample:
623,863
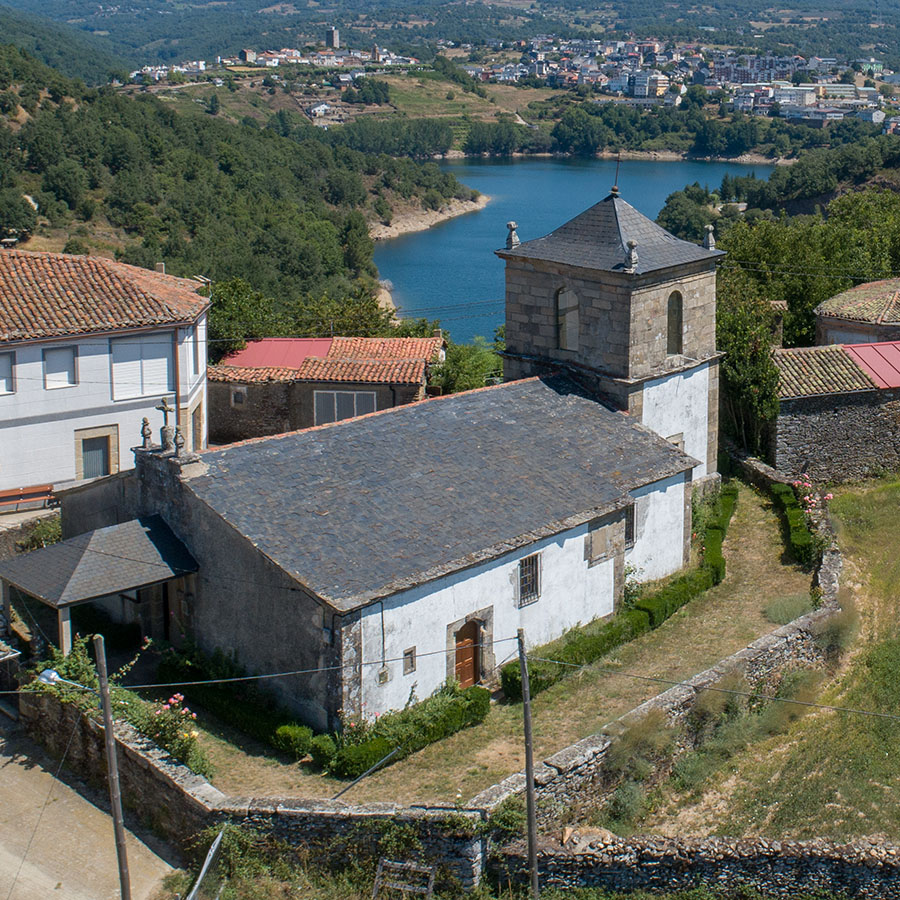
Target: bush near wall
588,643
804,547
362,744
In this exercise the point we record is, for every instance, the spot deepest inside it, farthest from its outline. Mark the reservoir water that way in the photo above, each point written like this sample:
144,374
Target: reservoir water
449,272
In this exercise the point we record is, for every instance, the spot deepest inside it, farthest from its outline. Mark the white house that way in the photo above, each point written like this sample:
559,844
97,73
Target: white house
88,348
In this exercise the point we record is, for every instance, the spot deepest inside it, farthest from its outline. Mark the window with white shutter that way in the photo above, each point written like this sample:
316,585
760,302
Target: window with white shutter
142,367
59,367
7,385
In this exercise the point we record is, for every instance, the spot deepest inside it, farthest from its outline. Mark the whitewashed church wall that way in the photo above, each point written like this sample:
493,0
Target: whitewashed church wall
659,529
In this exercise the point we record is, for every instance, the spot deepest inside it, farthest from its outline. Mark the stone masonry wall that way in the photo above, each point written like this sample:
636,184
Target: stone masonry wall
178,804
842,437
864,869
265,410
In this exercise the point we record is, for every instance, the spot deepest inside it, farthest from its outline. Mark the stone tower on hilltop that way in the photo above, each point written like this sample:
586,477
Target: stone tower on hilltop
629,307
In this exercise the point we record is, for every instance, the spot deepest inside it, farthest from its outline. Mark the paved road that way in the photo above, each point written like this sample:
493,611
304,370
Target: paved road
72,855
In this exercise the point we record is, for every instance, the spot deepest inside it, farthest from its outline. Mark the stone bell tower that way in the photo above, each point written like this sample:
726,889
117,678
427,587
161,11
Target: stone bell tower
629,308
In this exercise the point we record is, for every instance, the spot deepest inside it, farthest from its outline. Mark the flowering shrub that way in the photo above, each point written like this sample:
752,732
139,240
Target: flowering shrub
807,494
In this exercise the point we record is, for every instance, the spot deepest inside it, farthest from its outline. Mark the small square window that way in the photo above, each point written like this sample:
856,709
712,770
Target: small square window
599,545
238,397
529,579
409,661
677,440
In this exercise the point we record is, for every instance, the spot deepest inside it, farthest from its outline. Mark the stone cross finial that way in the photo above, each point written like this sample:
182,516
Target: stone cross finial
631,257
146,433
179,442
709,240
165,409
512,239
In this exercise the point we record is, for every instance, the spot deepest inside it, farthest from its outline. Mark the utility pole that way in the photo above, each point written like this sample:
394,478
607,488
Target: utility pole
529,769
115,796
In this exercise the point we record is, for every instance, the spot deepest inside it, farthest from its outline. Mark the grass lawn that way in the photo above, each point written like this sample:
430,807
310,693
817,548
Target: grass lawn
832,774
724,620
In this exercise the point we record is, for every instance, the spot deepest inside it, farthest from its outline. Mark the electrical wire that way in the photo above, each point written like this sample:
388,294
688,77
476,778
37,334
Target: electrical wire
720,690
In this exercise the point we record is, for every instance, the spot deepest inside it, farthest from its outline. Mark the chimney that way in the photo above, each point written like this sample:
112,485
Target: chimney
161,268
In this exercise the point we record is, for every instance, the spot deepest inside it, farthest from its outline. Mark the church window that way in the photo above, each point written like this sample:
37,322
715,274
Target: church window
567,319
629,525
675,324
529,579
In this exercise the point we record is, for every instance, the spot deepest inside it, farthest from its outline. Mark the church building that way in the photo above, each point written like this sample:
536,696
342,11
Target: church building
376,557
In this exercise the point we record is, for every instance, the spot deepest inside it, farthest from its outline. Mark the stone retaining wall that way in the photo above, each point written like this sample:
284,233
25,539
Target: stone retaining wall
177,804
864,869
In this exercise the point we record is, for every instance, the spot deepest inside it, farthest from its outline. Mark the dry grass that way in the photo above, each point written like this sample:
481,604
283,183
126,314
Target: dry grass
715,625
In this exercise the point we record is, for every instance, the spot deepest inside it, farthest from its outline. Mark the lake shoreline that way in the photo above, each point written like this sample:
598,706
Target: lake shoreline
748,159
423,219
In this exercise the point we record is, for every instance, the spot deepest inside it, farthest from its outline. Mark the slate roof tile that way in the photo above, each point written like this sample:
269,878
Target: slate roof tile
598,239
52,295
811,371
370,506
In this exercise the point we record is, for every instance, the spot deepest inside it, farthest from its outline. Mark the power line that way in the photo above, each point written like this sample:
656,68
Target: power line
751,694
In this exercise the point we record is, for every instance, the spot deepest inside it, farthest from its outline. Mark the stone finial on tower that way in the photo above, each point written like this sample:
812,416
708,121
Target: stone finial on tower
167,432
631,257
512,239
146,434
179,443
709,240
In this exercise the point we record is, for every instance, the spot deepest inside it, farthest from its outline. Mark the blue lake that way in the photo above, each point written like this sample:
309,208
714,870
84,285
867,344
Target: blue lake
450,273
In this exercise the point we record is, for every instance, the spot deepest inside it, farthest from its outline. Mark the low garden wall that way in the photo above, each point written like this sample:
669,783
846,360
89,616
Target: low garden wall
865,869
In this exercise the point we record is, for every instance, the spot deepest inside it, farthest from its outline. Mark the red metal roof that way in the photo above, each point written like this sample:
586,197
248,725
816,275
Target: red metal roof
881,361
279,353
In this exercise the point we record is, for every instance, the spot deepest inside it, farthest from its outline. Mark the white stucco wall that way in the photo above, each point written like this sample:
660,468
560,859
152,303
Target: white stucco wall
38,425
659,525
572,592
679,404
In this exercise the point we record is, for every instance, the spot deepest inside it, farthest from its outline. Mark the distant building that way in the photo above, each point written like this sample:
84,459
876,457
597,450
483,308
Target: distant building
333,38
247,56
867,312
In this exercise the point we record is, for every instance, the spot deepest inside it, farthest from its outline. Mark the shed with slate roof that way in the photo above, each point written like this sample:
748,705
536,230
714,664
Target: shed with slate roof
512,506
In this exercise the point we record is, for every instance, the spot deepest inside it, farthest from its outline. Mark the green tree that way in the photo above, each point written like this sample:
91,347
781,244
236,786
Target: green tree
213,104
239,313
66,181
17,215
467,366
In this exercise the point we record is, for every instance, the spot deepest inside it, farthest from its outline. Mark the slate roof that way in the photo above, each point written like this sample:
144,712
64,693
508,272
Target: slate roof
371,506
810,371
52,295
876,301
598,239
105,561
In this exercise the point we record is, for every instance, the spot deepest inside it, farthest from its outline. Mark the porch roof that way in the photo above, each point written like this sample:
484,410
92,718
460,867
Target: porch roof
109,560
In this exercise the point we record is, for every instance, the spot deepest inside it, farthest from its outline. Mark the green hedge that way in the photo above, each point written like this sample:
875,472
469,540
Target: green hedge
445,712
582,646
804,546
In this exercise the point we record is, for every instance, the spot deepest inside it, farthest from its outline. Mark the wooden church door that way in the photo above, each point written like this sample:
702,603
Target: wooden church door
468,654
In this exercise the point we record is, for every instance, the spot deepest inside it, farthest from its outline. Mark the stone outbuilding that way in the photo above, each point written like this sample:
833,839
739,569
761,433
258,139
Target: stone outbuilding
838,411
283,384
866,313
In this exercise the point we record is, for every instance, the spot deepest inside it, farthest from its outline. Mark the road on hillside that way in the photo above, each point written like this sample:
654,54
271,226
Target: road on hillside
72,853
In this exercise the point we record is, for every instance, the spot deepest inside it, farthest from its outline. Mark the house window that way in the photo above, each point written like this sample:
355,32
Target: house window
529,579
629,525
675,324
409,661
7,386
192,346
141,368
238,396
95,455
333,406
567,319
59,368
599,545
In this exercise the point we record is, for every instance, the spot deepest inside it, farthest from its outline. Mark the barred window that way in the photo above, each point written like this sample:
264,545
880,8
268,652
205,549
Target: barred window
529,579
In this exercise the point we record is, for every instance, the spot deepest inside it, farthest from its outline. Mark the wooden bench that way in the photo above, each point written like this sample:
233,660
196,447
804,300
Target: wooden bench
40,493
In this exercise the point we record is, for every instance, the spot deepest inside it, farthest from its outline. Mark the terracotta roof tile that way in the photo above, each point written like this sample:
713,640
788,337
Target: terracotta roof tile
364,371
809,371
876,301
51,295
385,348
252,374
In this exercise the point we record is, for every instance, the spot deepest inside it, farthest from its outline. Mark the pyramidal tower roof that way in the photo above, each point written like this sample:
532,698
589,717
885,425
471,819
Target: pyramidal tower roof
611,236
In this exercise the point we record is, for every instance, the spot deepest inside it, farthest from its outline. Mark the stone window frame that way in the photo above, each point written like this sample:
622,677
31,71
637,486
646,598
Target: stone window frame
567,319
677,440
485,619
238,391
409,660
675,324
111,432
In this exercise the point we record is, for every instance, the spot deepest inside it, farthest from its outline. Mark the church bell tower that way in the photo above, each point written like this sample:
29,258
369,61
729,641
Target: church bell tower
627,308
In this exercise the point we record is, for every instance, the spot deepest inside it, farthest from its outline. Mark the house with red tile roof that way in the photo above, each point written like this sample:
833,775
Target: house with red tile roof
838,408
284,384
88,348
867,312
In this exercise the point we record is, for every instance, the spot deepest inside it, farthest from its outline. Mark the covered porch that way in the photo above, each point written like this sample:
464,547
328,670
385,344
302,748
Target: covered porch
136,565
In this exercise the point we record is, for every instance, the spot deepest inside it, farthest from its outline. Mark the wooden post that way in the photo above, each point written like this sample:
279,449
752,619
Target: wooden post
115,797
529,769
64,626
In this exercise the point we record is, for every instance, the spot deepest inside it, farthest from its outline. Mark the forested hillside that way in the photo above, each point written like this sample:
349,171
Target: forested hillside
278,208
